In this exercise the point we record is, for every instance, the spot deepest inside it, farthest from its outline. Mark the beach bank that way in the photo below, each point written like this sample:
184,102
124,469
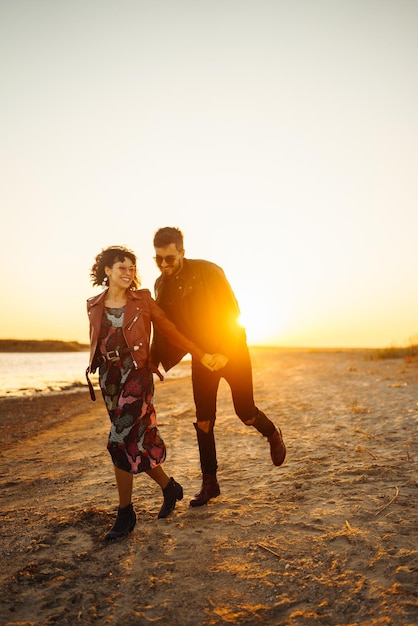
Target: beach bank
329,538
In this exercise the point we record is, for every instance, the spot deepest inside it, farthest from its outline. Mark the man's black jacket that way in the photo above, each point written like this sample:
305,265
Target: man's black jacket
201,303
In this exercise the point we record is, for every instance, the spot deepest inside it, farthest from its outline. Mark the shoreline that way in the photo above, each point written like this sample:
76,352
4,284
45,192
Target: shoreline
38,393
44,410
41,345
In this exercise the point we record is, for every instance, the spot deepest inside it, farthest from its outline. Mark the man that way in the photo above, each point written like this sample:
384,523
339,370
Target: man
197,297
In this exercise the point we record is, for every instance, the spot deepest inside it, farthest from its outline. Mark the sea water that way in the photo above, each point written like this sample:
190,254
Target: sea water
34,373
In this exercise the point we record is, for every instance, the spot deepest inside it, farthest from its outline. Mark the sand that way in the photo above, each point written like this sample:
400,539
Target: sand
329,538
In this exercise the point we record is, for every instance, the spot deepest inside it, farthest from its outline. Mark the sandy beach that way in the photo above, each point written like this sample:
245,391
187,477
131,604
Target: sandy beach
330,538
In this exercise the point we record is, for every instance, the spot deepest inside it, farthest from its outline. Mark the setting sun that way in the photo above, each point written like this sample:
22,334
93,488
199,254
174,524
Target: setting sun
263,325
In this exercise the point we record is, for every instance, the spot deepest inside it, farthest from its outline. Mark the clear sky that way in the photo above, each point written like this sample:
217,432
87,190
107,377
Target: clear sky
279,135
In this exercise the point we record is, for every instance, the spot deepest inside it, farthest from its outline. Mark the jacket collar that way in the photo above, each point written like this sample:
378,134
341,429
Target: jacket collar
94,300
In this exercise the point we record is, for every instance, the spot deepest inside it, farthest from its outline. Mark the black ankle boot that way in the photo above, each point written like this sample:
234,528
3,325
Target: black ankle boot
171,493
124,523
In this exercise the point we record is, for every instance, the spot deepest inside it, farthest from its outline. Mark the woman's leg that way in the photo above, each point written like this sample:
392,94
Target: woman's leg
126,518
159,475
172,491
124,481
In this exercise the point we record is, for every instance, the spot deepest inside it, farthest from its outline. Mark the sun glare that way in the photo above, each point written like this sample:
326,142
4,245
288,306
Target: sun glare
262,327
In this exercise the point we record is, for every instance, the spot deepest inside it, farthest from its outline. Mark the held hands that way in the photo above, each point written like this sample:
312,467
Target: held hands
214,362
218,361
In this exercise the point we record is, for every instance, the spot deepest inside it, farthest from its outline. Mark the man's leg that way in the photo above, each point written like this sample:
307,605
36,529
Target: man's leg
238,374
205,387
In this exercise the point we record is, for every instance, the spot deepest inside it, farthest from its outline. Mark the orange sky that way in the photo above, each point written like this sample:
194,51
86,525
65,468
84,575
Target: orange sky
281,137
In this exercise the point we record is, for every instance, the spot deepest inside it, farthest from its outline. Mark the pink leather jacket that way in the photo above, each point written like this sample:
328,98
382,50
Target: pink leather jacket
141,311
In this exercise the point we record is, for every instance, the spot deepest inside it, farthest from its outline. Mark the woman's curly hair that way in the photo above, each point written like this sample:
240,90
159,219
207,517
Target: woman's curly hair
107,258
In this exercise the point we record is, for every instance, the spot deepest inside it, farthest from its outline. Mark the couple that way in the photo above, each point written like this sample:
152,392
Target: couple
195,311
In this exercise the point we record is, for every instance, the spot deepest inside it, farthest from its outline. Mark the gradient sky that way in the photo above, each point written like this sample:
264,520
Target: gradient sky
280,136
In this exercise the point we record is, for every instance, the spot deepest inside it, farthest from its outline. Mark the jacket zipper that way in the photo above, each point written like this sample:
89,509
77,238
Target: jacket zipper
132,322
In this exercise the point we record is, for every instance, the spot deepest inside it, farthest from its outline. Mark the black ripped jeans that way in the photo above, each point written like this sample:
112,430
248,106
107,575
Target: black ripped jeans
238,375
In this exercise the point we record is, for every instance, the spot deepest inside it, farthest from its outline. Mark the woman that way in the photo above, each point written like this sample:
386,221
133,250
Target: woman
120,329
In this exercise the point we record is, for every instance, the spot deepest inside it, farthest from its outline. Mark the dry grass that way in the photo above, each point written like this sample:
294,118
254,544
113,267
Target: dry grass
409,353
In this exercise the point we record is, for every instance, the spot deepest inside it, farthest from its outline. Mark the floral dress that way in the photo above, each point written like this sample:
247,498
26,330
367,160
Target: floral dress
135,443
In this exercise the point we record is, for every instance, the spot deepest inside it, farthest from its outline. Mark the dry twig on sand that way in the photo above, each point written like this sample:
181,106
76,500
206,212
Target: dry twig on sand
364,449
269,550
389,503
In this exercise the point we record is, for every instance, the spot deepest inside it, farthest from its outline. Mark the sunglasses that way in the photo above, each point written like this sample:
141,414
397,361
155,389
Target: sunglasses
170,259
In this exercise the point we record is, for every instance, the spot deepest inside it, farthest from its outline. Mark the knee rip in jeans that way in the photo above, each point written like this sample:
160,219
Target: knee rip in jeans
205,426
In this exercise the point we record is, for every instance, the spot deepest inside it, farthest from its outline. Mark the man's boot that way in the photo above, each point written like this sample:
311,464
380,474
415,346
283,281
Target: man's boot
277,448
274,436
210,489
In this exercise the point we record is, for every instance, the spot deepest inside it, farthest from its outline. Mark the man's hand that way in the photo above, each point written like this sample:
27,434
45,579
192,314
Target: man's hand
214,362
206,360
218,361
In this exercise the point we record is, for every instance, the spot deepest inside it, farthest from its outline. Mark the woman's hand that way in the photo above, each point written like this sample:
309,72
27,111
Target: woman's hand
214,362
206,360
218,361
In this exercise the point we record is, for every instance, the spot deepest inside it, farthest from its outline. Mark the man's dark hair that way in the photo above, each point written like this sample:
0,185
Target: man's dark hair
167,235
